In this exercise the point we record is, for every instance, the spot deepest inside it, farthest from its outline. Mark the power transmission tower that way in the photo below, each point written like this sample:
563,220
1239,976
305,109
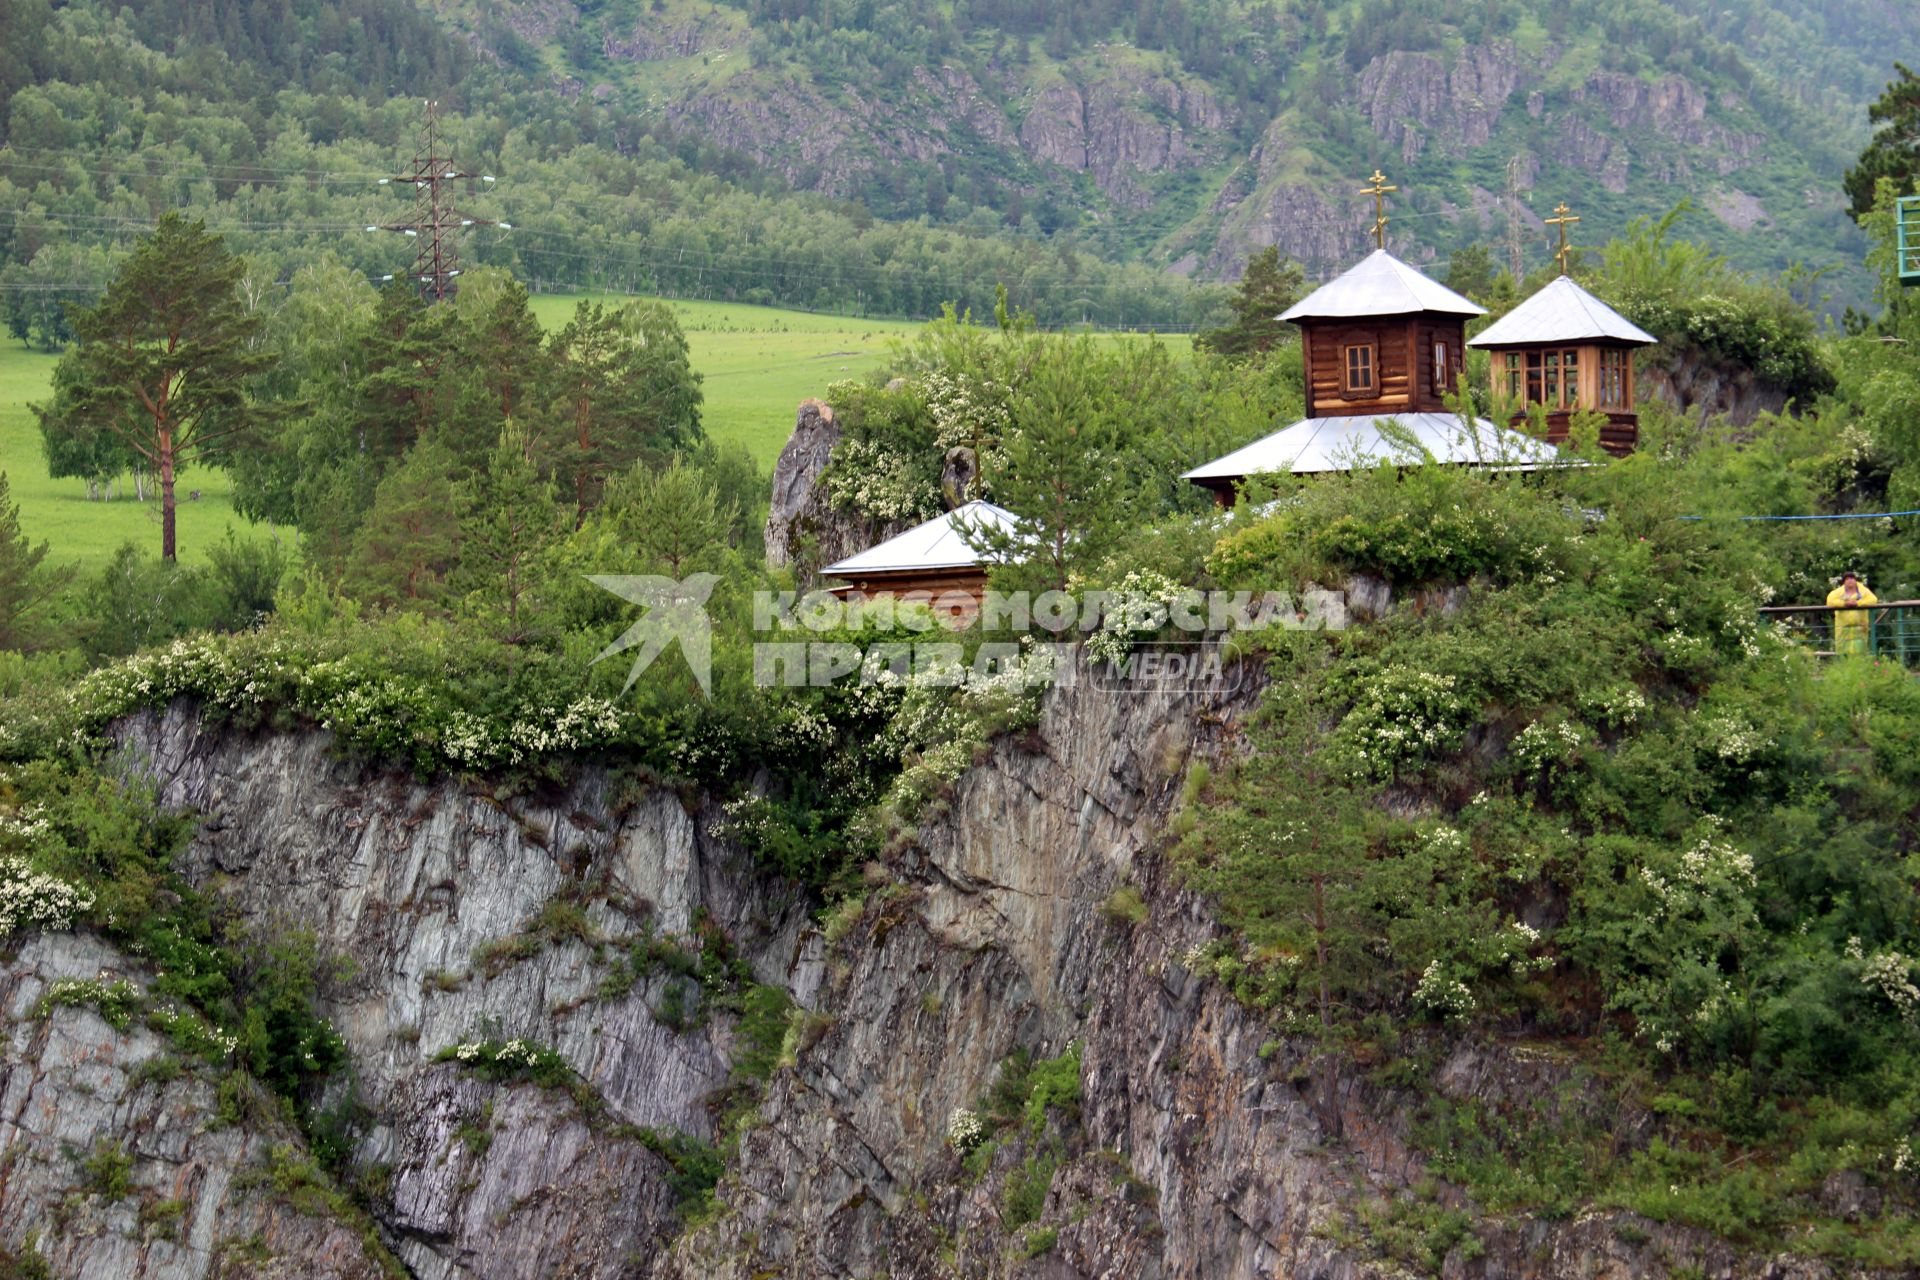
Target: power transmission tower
1515,262
436,264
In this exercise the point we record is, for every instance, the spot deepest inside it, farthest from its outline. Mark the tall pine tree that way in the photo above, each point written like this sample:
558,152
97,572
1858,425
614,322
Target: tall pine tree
1268,288
509,519
164,359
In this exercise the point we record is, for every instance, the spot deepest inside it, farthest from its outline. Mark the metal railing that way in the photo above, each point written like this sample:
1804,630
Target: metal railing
1891,628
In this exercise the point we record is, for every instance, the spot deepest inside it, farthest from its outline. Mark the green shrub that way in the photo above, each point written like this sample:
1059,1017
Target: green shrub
1025,1194
1039,1242
107,1171
1124,906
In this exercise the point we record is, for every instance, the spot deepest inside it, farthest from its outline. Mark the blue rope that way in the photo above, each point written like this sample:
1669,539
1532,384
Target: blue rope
1860,515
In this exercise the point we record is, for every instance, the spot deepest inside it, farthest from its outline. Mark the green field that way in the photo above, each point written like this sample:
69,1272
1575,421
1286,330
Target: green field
758,363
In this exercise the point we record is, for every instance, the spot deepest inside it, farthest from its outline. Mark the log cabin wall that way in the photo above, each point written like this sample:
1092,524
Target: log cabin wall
1429,395
1325,344
954,593
1403,363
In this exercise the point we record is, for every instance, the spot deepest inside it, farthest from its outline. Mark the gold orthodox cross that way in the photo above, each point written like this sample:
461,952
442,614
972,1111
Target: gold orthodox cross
1563,216
1377,188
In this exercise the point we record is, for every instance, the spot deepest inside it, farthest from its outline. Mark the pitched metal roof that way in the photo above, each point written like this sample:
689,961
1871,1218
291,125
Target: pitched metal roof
1561,312
1380,285
937,544
1315,445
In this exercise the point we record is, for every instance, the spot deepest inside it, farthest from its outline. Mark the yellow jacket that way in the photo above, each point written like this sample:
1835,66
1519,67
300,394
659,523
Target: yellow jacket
1850,625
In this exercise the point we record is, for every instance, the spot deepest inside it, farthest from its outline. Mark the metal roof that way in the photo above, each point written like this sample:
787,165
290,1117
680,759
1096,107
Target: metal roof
1380,285
937,544
1315,445
1561,312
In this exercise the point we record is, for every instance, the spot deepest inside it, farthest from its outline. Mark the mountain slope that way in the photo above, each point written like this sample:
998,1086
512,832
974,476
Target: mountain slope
1191,131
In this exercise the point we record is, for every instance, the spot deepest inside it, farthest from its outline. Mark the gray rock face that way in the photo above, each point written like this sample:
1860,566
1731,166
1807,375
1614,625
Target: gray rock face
1120,126
797,497
1704,388
1205,1147
1413,98
196,1204
804,528
410,883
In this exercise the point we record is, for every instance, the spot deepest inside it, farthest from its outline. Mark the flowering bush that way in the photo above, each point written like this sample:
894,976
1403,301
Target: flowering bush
505,1060
31,900
964,1130
1442,994
114,999
1546,744
1400,717
367,698
880,483
1138,607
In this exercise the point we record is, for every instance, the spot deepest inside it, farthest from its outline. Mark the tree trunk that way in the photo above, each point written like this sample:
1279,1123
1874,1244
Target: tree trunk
166,497
586,456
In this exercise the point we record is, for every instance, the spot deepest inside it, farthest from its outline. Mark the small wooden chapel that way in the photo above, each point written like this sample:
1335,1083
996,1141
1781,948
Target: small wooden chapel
1566,351
1381,343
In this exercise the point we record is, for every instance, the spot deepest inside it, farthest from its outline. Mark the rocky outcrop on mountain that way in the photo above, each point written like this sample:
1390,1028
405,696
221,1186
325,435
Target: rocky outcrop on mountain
1411,99
686,37
1671,109
1120,127
1031,911
116,1159
1320,232
463,917
1206,1147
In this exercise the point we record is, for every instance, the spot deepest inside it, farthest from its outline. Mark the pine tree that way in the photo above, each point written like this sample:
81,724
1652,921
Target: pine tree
27,584
673,515
624,388
1895,150
399,399
1268,288
509,519
1062,479
165,358
410,541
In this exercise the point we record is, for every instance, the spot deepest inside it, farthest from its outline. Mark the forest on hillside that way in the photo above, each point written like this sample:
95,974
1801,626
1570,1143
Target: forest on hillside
629,170
112,116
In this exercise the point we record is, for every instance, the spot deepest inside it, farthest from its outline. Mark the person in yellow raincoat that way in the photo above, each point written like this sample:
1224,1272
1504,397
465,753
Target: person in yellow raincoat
1850,625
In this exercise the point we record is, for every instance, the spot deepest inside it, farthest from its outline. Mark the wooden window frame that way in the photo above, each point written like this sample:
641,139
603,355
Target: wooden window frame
1551,378
1369,363
1616,380
1442,366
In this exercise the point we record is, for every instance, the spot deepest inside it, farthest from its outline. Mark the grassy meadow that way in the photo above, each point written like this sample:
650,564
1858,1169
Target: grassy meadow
758,364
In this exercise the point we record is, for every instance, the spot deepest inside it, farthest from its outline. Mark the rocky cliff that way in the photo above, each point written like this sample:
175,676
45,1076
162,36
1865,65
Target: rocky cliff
1029,916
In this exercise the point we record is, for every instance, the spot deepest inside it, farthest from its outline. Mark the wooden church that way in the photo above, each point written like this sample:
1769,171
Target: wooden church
1566,351
1382,342
932,563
